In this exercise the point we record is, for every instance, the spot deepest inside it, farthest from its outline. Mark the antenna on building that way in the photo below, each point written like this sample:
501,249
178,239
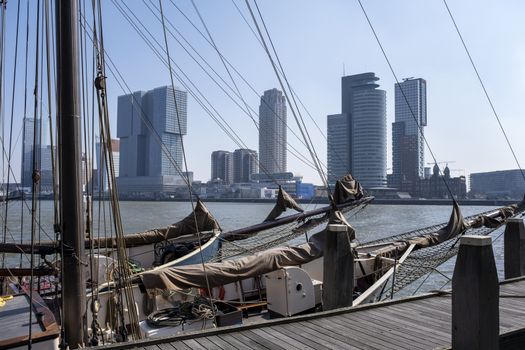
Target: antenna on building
344,69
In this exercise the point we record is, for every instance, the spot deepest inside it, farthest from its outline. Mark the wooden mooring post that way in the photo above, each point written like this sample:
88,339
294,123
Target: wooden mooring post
514,248
338,268
475,296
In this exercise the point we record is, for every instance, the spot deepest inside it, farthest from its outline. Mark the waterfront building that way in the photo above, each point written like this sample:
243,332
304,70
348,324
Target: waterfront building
245,163
143,120
29,149
338,147
408,147
272,132
101,173
222,167
46,169
498,184
357,136
434,186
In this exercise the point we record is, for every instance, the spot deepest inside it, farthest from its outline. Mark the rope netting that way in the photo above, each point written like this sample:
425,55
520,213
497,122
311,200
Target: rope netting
426,260
273,237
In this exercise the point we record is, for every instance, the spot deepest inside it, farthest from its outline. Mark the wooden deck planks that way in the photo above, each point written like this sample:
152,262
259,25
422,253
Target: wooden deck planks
395,328
272,334
384,335
322,338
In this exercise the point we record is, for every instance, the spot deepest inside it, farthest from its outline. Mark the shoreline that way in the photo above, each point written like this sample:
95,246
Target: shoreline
378,201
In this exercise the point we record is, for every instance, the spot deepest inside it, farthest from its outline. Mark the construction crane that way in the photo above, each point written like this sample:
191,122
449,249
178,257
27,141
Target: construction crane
445,161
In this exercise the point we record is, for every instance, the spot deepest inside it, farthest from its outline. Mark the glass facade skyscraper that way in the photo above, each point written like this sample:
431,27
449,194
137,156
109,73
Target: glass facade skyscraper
408,147
222,166
244,165
272,132
29,149
143,119
357,136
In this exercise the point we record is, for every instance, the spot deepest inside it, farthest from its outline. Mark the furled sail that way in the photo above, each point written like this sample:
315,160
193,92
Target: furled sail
347,188
229,271
284,201
200,216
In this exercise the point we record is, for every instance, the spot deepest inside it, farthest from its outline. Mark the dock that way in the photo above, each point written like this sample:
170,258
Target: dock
419,322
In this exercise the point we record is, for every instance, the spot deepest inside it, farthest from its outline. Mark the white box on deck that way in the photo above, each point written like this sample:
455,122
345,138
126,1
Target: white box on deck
289,291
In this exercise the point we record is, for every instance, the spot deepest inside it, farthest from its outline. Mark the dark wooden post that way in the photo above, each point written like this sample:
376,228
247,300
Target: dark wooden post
338,268
514,248
475,296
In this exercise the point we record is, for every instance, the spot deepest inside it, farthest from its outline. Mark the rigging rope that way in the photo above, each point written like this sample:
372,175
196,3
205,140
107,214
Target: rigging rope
35,176
211,110
296,116
184,157
124,273
308,139
449,190
276,139
4,229
293,150
485,90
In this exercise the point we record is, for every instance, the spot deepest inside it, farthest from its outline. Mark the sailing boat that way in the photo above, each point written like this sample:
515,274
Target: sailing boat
171,275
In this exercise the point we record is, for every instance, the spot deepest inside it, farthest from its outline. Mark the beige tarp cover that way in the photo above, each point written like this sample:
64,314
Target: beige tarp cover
456,225
205,222
347,188
284,200
229,271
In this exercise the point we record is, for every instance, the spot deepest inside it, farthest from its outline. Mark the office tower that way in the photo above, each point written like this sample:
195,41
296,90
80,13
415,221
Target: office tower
28,149
338,150
244,164
101,172
145,119
357,136
272,132
408,147
46,168
222,166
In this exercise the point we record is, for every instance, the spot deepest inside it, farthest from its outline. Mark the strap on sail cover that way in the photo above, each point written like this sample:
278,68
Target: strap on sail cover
284,200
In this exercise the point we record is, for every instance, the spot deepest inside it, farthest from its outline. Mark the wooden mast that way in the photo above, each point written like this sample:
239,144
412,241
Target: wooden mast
69,146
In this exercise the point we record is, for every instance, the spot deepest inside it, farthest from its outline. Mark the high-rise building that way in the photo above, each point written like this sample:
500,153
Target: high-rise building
46,168
222,166
101,172
272,132
408,147
145,119
29,149
244,164
338,148
357,136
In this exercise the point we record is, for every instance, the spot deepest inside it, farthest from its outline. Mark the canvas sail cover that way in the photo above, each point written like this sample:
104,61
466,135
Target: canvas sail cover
346,189
456,225
284,201
205,222
229,271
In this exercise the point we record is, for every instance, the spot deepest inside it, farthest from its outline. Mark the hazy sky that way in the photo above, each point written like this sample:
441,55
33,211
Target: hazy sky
314,39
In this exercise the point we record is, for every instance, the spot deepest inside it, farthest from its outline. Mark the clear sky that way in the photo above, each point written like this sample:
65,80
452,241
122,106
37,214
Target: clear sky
314,39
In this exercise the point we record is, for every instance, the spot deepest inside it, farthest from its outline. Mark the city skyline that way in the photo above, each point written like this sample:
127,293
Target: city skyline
313,59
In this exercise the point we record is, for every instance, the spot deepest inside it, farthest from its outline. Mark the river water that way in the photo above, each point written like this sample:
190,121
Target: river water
374,221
